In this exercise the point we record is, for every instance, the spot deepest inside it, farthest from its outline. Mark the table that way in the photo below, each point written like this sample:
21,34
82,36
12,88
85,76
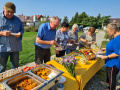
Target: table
71,83
85,72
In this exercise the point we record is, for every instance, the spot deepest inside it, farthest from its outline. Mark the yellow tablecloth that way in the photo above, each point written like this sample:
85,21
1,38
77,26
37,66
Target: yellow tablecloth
71,83
85,72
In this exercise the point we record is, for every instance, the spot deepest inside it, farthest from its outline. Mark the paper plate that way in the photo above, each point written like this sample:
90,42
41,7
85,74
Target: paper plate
59,48
89,42
99,55
69,44
77,43
62,79
14,34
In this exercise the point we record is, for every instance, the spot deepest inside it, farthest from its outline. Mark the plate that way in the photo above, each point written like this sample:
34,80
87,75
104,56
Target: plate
58,48
69,44
89,42
77,43
62,79
14,34
99,55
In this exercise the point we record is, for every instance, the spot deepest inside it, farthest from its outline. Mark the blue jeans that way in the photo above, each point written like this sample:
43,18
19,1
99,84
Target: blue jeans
14,59
68,50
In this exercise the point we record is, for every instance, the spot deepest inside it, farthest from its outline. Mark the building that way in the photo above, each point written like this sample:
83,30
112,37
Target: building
30,20
115,21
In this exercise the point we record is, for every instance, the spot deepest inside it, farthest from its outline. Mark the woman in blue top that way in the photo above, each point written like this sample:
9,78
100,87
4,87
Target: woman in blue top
112,57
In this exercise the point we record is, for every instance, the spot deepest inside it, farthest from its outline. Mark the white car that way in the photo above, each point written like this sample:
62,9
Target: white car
86,28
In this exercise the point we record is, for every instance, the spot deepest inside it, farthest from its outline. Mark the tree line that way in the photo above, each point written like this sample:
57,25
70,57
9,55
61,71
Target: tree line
86,20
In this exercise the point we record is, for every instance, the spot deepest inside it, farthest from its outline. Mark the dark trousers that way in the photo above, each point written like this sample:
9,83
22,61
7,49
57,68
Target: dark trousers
111,76
42,54
14,59
61,53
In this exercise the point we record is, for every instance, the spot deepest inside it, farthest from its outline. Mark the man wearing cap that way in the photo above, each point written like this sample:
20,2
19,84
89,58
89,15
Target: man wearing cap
11,31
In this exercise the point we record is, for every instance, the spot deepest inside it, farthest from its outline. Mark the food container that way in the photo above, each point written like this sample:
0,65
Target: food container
53,74
34,82
89,54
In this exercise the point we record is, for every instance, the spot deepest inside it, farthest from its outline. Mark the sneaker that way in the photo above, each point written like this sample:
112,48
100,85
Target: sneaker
104,83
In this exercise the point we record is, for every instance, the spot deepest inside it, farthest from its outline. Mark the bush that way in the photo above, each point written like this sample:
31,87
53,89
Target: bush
35,29
31,28
27,29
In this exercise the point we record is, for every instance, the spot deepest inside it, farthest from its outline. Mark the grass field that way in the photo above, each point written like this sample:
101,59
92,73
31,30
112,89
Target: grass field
27,55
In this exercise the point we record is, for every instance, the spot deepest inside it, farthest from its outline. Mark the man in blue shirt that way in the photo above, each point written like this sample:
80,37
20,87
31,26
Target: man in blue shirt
11,31
45,38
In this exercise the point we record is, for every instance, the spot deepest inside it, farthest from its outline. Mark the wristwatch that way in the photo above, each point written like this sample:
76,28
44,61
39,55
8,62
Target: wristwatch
108,57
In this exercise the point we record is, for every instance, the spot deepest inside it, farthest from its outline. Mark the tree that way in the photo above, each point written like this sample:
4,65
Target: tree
65,19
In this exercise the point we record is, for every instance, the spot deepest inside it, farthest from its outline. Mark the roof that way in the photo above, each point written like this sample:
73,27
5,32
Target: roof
29,19
22,18
115,20
38,16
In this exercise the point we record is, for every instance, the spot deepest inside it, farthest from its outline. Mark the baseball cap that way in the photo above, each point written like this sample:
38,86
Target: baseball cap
10,7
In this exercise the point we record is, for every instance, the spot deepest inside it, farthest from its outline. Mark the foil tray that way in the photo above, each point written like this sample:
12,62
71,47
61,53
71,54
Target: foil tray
54,72
10,83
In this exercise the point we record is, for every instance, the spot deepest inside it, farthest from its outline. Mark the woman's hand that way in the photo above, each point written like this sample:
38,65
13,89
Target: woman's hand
103,49
74,41
56,51
85,41
104,57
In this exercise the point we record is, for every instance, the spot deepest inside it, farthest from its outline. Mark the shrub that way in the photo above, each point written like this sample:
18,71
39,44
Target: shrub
35,29
27,29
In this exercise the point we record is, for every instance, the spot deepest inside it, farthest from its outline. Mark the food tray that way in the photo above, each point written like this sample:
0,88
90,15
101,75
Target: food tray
11,83
54,72
54,75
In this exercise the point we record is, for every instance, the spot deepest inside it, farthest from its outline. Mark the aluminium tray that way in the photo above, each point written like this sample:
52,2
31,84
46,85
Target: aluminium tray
10,84
55,74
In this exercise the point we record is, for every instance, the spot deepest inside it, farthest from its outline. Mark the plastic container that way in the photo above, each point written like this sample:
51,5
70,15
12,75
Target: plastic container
60,86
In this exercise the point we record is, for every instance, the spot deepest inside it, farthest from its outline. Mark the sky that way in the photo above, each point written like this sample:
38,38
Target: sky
62,8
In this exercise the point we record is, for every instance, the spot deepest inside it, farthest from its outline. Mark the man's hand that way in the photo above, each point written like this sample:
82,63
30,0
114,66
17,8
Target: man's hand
18,34
53,42
6,33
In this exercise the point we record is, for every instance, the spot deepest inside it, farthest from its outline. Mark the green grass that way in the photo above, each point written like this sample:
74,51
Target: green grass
27,54
104,44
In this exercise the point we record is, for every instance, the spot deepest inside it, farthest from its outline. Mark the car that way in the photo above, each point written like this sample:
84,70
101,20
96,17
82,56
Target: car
86,28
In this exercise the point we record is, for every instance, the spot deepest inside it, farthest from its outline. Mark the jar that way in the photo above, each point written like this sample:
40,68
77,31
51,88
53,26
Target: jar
60,86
